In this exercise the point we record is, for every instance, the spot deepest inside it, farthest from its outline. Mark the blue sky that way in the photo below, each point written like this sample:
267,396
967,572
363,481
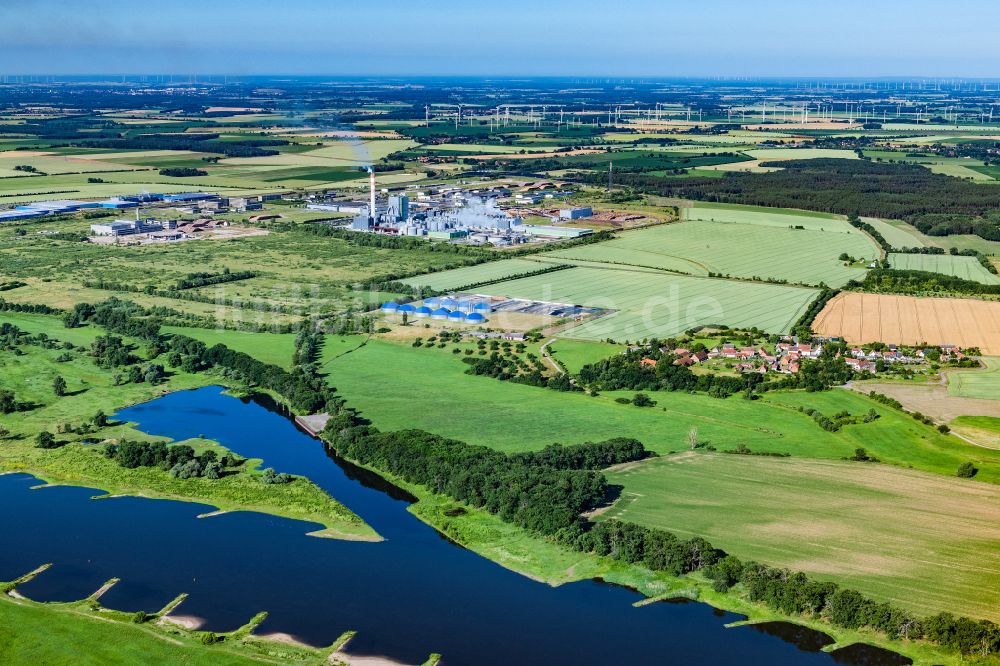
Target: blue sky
514,37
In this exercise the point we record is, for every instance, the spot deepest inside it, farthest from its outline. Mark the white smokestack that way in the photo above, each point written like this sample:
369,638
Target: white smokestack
371,204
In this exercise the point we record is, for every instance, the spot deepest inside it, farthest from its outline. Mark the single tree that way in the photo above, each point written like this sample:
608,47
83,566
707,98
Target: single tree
59,385
45,440
966,470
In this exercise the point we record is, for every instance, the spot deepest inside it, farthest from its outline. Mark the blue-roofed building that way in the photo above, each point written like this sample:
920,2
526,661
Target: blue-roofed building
456,316
118,203
449,303
145,196
391,306
482,308
433,302
440,313
474,318
406,307
422,311
11,215
187,197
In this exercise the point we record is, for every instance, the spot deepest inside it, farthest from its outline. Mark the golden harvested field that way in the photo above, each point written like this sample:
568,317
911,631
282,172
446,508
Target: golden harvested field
861,318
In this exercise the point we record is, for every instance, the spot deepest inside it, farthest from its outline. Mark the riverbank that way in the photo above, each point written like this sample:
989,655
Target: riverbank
545,561
60,632
30,373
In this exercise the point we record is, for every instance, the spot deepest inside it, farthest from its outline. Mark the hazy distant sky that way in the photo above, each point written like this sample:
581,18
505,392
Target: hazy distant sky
503,37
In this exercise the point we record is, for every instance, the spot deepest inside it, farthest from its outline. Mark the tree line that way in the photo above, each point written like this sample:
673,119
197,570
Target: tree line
546,493
898,191
195,280
906,281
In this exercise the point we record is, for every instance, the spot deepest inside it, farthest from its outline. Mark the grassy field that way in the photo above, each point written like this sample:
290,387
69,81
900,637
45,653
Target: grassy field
325,273
775,217
574,354
648,304
769,154
459,277
33,633
429,389
275,348
913,238
983,429
967,268
894,233
923,541
30,375
543,560
977,383
745,250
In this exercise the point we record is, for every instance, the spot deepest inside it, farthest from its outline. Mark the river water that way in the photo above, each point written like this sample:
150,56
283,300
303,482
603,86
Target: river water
410,595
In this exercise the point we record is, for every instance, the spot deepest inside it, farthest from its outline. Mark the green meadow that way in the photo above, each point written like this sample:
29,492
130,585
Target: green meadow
744,250
978,383
30,375
967,268
459,277
650,303
427,388
574,354
922,541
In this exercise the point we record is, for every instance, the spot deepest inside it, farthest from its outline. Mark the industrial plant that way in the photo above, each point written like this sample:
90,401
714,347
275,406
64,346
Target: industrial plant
453,310
461,217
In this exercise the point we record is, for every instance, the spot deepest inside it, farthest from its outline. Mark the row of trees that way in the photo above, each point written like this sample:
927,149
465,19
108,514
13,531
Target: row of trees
905,281
537,497
900,191
546,492
194,280
35,308
302,387
589,455
202,143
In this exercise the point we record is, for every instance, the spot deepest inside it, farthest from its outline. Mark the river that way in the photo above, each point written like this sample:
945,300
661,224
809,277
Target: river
410,595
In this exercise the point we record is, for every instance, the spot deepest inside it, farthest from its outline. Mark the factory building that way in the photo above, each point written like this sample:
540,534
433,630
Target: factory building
575,213
456,311
556,232
12,215
129,227
189,197
352,207
244,204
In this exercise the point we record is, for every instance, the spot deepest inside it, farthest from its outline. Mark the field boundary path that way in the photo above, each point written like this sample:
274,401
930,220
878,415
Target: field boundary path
548,357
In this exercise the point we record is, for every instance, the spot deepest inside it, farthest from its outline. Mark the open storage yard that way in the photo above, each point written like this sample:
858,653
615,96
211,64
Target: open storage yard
921,540
861,318
650,304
